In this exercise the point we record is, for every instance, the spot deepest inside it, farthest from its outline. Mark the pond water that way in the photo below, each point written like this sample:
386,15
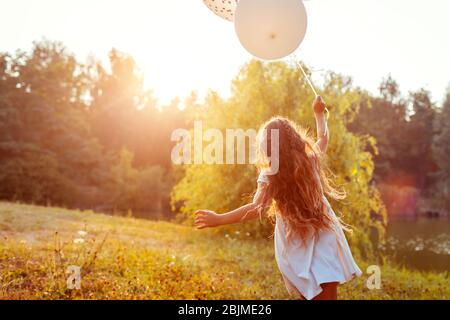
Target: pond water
422,244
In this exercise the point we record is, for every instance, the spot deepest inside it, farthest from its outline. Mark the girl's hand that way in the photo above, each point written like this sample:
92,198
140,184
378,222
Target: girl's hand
207,219
319,105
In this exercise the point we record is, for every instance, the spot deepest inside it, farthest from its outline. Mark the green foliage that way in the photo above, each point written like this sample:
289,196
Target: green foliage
45,143
441,151
140,190
35,181
404,130
384,118
259,92
420,133
125,178
63,125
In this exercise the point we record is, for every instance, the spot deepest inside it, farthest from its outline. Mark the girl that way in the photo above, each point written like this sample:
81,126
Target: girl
311,250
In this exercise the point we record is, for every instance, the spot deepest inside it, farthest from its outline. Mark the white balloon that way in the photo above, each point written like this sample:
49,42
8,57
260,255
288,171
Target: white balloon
223,8
271,29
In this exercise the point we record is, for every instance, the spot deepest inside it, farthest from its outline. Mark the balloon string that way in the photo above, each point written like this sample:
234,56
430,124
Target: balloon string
307,78
310,83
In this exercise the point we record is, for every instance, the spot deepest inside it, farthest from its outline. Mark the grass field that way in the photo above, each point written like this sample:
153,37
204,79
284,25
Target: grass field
127,258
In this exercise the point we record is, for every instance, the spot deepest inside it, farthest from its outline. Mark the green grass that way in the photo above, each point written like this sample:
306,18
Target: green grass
126,258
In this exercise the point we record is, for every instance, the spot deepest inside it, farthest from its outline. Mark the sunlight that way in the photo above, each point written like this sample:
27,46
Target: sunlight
182,47
144,155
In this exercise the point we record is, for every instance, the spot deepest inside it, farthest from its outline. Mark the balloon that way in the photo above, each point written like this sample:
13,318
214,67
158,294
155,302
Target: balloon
270,29
223,8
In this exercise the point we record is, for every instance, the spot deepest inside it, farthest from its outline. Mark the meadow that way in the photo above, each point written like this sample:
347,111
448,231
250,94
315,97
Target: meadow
128,258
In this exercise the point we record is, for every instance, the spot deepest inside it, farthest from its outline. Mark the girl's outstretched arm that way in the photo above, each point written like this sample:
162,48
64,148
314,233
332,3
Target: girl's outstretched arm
251,211
323,134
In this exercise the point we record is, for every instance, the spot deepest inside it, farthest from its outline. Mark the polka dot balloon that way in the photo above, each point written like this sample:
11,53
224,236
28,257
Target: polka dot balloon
223,8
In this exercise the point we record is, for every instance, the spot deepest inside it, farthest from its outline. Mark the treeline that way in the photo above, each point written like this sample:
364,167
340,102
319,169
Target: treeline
86,135
411,153
78,135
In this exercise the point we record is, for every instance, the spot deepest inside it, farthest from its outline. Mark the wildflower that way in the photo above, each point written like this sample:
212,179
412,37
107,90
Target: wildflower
78,241
82,233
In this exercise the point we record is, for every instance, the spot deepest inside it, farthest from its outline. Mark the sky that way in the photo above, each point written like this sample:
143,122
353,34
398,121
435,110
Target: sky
181,46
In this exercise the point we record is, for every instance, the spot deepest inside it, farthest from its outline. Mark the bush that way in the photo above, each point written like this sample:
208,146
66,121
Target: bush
260,92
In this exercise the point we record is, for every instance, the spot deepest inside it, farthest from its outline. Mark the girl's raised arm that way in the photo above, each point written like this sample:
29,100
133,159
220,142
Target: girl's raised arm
210,219
323,134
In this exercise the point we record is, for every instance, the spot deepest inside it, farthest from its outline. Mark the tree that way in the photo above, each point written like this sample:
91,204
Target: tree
259,92
63,125
138,190
420,136
126,115
441,151
403,130
384,118
45,139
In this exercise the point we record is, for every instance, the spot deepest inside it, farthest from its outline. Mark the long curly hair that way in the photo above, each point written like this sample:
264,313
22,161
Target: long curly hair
299,187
